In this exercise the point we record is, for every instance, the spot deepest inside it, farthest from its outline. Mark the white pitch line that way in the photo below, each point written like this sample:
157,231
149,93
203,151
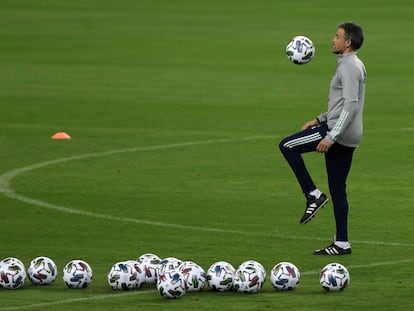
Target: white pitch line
76,300
7,177
370,265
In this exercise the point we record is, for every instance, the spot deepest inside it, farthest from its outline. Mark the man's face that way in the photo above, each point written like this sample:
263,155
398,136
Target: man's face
340,44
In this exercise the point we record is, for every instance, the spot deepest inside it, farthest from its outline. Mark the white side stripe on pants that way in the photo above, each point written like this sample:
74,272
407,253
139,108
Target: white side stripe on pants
302,140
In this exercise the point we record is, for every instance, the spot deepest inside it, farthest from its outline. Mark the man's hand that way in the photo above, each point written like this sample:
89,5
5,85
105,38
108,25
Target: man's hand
309,124
323,146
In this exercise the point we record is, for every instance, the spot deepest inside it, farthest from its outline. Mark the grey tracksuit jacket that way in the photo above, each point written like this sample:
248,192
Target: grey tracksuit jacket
346,101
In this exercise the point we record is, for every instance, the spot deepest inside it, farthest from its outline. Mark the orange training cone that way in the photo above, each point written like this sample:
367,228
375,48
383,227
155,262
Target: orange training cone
61,135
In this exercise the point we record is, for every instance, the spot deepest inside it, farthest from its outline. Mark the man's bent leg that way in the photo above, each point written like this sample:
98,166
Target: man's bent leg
292,148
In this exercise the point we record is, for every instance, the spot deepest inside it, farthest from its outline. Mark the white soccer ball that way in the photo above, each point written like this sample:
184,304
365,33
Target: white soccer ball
42,271
168,264
220,276
248,278
12,273
194,275
300,50
123,276
139,268
257,265
77,274
334,277
171,284
285,276
150,263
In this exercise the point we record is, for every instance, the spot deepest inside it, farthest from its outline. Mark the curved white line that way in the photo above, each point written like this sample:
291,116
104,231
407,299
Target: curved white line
6,179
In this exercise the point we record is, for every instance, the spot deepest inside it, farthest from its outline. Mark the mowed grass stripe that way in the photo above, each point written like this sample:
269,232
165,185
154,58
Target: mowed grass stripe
6,178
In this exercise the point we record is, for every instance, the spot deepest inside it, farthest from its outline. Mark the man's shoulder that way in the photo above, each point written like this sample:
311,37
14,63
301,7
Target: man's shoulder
351,61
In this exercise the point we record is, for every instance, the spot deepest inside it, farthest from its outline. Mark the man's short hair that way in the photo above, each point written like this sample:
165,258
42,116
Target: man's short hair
354,33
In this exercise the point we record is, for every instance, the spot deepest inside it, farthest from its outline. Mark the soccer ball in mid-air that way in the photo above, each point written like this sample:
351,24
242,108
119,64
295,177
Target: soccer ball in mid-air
194,275
77,274
150,263
249,277
12,273
334,277
285,276
42,271
220,276
124,276
171,284
300,50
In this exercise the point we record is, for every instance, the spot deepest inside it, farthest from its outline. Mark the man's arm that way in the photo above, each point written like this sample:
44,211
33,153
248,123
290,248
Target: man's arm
310,123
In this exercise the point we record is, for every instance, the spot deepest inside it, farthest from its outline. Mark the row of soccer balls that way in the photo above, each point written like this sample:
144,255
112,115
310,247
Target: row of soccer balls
172,276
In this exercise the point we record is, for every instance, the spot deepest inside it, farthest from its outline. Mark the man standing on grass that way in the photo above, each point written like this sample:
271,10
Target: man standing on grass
336,133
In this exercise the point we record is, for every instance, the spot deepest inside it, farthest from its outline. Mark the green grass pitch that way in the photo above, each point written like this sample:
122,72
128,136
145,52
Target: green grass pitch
175,109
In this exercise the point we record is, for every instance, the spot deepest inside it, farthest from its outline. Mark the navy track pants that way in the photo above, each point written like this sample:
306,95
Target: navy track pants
338,162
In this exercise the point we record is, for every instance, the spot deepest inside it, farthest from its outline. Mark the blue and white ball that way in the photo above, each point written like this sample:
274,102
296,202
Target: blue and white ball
77,274
257,265
12,273
220,276
249,277
194,275
171,284
150,263
285,276
124,276
300,50
42,271
334,277
140,270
